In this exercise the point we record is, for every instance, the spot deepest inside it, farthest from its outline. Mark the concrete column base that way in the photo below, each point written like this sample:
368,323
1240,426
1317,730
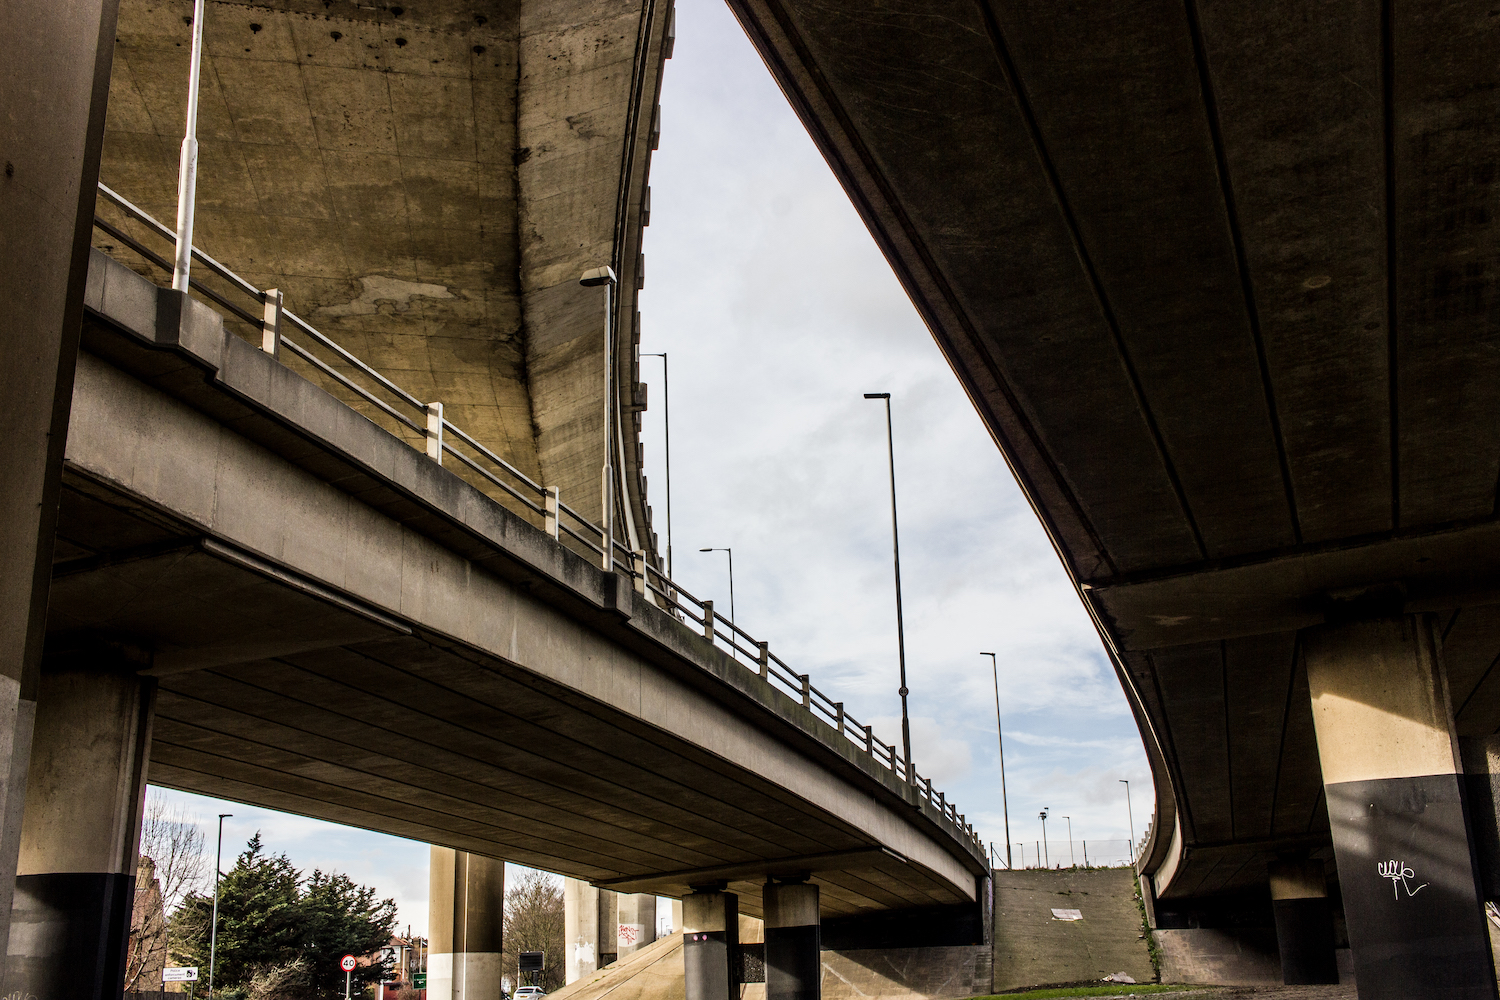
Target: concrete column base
1304,925
710,945
471,975
1395,802
70,916
794,968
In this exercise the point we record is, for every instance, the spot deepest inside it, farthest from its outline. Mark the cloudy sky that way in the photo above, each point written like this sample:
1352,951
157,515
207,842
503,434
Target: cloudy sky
778,313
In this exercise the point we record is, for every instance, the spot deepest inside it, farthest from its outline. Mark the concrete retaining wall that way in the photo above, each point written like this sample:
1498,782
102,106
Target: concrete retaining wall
1033,948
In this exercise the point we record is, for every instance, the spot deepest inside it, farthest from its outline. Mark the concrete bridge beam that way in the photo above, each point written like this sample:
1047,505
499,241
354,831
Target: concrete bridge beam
793,946
1401,834
80,837
466,907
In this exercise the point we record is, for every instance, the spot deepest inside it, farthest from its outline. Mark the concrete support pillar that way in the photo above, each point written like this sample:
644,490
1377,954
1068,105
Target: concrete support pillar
794,965
608,934
636,916
710,944
54,87
1392,778
70,917
676,916
466,909
580,929
1304,925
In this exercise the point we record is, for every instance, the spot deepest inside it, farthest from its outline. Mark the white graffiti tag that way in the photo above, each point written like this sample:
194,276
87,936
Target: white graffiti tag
1399,875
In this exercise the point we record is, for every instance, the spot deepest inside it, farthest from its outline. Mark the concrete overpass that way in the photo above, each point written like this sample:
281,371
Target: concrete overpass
256,559
1220,279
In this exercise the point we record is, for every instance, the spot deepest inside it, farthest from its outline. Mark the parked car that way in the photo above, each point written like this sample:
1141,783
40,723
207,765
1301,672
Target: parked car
529,993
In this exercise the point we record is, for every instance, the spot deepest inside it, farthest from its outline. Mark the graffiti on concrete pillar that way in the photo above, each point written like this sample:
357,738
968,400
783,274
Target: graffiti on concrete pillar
1400,877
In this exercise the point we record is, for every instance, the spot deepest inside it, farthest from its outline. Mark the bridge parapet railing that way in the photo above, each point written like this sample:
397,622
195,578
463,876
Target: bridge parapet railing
278,331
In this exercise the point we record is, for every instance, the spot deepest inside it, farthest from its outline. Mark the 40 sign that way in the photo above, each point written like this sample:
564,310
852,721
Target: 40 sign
347,963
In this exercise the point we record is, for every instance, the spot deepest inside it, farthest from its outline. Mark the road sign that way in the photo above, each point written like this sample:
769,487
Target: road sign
419,980
532,961
347,963
181,974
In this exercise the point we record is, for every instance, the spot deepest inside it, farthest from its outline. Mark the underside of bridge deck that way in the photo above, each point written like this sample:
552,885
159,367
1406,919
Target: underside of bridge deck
425,184
1221,280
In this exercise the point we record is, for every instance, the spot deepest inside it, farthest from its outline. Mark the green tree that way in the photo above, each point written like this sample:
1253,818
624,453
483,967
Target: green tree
259,917
340,918
280,933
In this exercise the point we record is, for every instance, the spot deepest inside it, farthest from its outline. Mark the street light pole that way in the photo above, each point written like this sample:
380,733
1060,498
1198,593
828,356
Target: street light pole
1046,860
1072,861
732,650
213,927
1000,734
593,278
890,446
1131,814
666,414
187,164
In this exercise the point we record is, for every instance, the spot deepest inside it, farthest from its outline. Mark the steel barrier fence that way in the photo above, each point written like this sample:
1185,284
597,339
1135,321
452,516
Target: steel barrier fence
423,425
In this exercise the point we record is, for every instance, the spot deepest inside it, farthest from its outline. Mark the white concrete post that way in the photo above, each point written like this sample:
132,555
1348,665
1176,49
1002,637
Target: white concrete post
270,325
708,620
638,561
765,660
550,504
435,432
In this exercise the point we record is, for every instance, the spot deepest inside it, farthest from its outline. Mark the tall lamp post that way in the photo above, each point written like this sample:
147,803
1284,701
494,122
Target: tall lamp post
1130,814
1072,861
733,651
666,408
890,447
187,165
213,927
1046,861
1000,734
592,279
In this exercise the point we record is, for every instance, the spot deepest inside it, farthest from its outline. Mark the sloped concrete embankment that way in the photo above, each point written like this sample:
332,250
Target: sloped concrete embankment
1035,948
655,973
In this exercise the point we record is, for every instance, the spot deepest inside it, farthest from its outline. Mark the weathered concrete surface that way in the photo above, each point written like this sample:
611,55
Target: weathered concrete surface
652,973
345,629
1221,280
56,59
907,973
1032,948
656,973
425,184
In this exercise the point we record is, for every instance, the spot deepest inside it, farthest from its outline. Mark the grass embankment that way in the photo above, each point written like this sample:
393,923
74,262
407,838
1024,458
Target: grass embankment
1106,990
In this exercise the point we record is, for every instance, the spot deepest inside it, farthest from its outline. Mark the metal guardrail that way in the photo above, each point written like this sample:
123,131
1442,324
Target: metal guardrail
423,425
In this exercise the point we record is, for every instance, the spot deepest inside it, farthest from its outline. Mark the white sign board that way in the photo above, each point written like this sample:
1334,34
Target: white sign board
347,963
1066,914
184,974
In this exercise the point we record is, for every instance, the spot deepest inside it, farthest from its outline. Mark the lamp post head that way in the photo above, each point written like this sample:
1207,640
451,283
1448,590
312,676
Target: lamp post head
597,276
877,395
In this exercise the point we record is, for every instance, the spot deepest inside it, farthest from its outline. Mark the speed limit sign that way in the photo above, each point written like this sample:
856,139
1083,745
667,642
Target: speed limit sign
347,963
